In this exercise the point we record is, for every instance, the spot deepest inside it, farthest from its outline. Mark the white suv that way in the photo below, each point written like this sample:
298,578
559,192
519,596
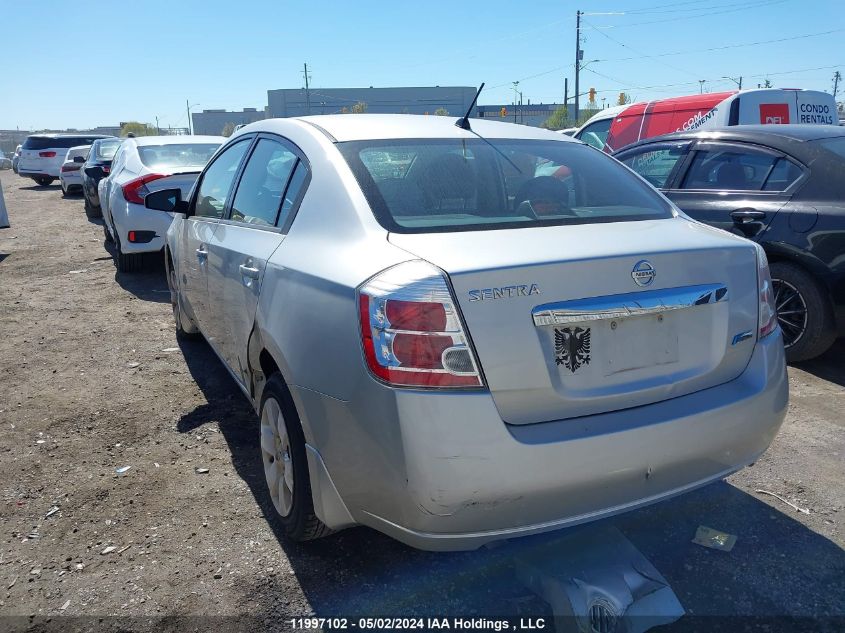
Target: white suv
42,155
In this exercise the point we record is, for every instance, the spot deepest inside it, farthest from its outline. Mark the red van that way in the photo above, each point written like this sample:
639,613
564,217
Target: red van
614,128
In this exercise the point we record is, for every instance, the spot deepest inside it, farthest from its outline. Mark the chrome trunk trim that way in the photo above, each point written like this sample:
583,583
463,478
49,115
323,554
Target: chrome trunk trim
628,305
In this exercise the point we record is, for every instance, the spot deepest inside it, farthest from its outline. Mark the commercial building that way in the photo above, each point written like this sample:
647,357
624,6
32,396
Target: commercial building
402,100
213,121
454,100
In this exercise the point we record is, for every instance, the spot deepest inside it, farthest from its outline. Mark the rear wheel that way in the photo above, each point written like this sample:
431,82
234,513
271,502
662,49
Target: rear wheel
285,464
804,313
91,211
128,262
44,180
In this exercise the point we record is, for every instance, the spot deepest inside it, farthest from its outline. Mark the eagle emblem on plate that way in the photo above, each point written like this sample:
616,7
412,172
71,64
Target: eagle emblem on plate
572,347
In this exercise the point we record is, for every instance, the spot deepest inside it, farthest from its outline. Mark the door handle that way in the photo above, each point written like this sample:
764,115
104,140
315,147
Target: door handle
248,271
202,254
746,216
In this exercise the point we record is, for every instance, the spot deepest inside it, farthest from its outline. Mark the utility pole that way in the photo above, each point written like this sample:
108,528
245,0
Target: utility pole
701,86
578,56
836,77
515,93
158,130
307,90
188,108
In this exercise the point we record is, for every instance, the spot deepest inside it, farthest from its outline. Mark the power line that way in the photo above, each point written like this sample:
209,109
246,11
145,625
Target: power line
726,47
754,5
630,48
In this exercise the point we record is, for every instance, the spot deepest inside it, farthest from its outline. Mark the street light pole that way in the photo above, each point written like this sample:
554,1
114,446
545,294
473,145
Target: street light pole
577,61
515,92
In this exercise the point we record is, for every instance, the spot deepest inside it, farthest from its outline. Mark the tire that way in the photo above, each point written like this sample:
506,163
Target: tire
44,181
804,312
65,190
91,211
285,464
185,328
128,262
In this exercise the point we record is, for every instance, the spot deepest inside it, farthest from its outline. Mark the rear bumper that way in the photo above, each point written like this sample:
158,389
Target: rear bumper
451,475
127,216
71,179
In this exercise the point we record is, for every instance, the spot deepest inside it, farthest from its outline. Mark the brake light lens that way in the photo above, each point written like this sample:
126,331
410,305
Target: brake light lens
136,190
106,169
411,331
47,154
768,309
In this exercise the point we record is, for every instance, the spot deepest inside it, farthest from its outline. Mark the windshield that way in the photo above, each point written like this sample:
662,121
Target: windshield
106,149
177,156
835,145
430,185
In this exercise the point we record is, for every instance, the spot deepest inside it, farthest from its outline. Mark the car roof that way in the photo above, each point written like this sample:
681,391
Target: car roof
142,141
360,127
777,136
76,135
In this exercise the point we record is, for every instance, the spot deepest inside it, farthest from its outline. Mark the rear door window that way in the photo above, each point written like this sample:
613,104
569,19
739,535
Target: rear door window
730,168
264,180
656,162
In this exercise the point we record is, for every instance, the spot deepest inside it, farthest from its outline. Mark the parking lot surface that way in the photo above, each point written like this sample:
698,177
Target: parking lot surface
93,380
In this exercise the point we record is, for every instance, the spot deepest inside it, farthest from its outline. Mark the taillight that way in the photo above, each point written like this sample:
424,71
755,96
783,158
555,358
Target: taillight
106,169
411,330
136,190
768,309
47,154
67,168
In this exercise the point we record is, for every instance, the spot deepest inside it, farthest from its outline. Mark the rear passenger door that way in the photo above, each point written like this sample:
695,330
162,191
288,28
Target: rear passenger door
737,187
268,192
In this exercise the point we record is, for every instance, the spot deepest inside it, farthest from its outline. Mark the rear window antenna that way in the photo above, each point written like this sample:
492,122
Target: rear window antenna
463,122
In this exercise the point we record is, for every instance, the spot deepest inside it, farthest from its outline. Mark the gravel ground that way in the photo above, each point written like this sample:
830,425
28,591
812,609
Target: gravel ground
93,380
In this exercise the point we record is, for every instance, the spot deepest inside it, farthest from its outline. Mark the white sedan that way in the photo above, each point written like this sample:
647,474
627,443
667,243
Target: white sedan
139,167
69,174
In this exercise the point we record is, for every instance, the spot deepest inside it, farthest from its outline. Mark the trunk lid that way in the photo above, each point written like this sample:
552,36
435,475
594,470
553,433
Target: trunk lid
562,329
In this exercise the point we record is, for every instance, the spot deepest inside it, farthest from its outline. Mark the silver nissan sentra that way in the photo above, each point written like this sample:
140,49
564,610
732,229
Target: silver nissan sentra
461,335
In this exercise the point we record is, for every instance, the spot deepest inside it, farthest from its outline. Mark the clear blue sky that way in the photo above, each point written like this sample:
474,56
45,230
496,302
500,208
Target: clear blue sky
80,64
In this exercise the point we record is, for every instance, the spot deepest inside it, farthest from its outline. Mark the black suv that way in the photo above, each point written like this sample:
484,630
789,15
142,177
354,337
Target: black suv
780,185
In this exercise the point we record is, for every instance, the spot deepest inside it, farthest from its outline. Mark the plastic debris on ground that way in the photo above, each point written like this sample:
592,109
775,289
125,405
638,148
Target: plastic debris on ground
714,539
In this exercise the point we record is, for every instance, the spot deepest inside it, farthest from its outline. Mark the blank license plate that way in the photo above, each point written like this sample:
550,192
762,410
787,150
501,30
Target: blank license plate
637,342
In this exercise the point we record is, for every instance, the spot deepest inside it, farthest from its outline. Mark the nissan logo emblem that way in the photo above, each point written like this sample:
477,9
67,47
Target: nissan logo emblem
643,273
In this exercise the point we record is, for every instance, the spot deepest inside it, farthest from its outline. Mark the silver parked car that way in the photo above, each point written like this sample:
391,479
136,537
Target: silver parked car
456,336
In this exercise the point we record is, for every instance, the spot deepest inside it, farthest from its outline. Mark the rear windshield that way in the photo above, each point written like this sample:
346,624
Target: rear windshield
64,142
431,185
835,145
105,150
190,155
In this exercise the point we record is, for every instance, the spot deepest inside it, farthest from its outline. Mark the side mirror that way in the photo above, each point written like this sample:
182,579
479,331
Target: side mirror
78,159
166,200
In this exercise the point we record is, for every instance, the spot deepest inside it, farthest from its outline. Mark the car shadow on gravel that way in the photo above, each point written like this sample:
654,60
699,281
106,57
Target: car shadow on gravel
778,567
829,366
148,285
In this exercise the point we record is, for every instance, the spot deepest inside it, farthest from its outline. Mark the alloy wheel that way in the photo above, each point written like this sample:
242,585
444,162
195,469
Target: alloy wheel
791,310
276,455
